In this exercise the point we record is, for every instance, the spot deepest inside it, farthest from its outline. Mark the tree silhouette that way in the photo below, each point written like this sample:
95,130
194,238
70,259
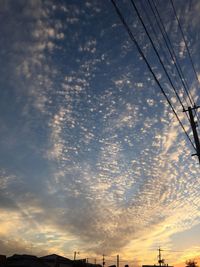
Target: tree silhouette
191,263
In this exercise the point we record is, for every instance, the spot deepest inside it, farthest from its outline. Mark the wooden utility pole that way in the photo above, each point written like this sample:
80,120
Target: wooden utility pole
159,257
117,260
75,253
160,260
194,130
103,263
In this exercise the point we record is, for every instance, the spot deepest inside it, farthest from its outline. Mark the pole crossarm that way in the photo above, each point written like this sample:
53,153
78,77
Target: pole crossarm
192,108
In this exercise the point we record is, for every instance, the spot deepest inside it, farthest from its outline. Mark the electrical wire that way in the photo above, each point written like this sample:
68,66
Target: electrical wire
188,51
163,51
157,54
184,39
149,67
172,53
170,48
161,47
154,32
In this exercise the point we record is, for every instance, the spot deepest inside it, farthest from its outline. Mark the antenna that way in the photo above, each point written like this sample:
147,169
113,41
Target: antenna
160,260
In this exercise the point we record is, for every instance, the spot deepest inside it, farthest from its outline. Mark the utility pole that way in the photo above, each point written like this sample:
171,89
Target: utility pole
117,260
160,260
75,252
103,263
194,126
159,257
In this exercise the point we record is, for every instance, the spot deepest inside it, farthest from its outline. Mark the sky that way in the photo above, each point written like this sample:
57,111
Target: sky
92,158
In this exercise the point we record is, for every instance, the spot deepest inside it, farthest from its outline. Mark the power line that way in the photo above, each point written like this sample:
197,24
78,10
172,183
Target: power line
170,48
188,51
161,48
149,67
157,54
172,53
163,51
154,32
184,39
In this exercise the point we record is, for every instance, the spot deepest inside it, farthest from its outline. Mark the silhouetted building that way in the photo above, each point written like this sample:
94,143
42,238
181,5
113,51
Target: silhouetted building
165,265
24,261
54,260
2,260
84,263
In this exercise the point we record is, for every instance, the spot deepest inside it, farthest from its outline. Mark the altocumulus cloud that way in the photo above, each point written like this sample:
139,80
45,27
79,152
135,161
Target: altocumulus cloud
98,157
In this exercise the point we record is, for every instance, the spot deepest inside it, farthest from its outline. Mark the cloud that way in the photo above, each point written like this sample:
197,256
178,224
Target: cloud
115,191
105,166
14,247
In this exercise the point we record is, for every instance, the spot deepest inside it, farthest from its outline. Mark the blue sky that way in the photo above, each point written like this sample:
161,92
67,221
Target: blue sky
92,158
